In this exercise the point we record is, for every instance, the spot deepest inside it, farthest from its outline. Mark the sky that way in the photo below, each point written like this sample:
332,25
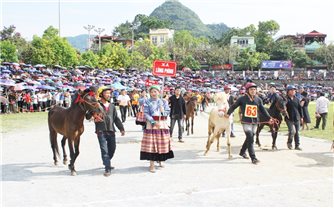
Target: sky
32,17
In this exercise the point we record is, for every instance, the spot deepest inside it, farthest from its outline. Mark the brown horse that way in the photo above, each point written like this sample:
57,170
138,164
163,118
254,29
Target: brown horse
191,102
69,123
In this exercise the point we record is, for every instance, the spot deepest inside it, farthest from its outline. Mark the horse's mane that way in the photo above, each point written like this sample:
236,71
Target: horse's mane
75,96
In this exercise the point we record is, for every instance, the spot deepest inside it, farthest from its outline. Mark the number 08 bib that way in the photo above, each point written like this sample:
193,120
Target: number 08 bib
251,111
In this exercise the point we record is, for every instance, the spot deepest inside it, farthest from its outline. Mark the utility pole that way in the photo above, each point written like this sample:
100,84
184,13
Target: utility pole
132,40
99,31
89,28
59,17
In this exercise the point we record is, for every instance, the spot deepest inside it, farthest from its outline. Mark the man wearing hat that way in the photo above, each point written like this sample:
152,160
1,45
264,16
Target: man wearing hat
294,118
105,127
250,105
177,112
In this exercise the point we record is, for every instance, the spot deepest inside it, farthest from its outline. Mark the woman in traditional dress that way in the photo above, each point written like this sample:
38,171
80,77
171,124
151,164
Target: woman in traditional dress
156,143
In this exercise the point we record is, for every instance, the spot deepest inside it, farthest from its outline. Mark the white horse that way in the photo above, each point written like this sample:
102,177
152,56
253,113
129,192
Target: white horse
218,123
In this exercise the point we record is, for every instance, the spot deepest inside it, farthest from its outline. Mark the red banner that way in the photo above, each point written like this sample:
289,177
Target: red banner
164,68
150,82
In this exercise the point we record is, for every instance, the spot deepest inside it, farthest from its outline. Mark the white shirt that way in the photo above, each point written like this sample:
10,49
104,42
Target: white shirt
124,99
322,105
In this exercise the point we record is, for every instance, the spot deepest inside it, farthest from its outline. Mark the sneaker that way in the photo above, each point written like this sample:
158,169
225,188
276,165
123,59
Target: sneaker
289,145
298,148
255,161
181,141
232,135
244,156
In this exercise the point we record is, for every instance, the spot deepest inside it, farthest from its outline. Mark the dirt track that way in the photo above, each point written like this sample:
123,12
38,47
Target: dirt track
283,178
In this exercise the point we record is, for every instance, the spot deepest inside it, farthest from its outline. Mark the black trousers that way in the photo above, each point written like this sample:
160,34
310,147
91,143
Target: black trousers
123,110
135,110
250,130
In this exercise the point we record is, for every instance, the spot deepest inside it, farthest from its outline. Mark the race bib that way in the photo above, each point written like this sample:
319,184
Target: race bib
251,111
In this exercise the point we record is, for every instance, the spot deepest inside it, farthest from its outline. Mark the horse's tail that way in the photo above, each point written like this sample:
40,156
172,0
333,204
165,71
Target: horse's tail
53,136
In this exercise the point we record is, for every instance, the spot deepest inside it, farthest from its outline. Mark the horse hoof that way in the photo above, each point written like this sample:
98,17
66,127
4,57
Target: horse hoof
73,173
70,167
56,163
274,148
65,162
230,157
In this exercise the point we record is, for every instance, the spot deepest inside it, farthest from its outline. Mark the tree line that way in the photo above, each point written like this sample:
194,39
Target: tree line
186,49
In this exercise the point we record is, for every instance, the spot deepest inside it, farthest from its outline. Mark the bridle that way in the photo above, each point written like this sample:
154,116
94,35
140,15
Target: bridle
281,110
81,101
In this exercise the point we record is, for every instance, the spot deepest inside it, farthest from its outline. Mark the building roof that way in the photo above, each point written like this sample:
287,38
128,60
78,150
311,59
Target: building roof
310,48
315,33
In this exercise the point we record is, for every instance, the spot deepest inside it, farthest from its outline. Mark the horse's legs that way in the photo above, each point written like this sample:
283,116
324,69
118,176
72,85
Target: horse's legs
76,147
228,134
210,130
54,145
188,126
260,127
274,136
210,141
63,142
71,165
218,139
192,125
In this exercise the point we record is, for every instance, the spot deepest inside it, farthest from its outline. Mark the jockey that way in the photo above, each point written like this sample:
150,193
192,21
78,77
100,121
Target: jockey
249,105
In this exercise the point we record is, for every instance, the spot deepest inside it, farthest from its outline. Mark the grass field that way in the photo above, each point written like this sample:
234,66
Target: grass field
21,121
328,133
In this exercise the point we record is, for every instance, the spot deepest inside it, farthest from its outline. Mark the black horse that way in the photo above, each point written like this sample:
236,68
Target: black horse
279,109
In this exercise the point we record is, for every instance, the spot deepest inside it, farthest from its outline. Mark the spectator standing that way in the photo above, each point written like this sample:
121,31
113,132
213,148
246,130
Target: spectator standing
321,111
294,118
304,103
230,100
177,112
123,101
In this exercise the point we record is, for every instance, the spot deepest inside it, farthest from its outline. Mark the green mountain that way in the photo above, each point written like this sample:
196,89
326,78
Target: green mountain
79,42
183,18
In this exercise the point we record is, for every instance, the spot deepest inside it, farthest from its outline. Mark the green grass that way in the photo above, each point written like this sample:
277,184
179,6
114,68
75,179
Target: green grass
328,133
21,121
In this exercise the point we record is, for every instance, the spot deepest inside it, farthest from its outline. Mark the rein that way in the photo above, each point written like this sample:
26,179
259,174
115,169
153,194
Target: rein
275,121
281,110
81,100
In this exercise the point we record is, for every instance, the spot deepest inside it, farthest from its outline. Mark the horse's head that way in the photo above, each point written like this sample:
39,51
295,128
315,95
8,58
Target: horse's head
221,98
281,105
88,101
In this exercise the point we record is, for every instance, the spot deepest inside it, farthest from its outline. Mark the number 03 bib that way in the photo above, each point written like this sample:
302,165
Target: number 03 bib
251,111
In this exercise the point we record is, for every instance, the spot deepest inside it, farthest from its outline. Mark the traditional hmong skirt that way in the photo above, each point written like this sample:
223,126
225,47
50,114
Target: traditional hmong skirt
156,143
